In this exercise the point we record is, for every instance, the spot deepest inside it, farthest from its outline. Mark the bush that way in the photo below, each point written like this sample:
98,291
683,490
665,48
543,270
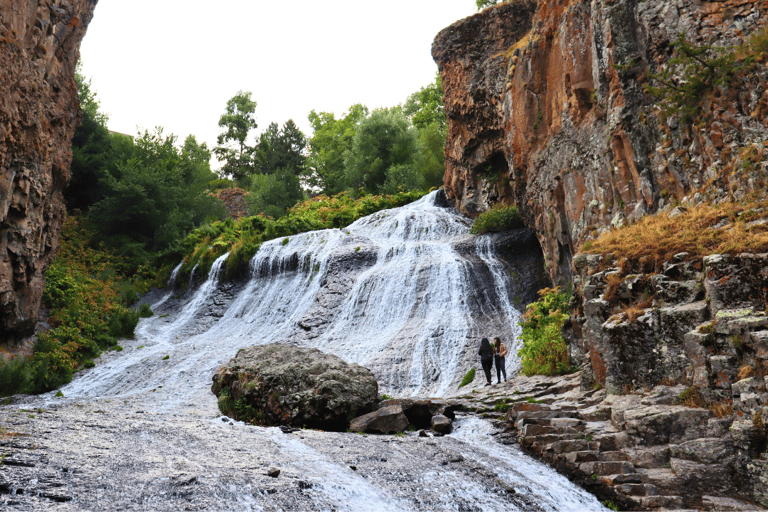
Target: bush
501,217
145,311
544,350
123,323
15,376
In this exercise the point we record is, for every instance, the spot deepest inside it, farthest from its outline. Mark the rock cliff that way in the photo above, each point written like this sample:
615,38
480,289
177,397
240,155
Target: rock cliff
547,109
39,110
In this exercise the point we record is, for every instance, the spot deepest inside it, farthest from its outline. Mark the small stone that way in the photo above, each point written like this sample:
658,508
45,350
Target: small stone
273,472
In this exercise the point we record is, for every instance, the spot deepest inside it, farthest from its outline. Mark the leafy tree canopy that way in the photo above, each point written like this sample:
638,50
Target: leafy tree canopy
280,148
237,122
331,138
383,148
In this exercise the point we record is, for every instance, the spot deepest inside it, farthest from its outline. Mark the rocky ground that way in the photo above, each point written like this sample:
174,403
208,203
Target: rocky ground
116,454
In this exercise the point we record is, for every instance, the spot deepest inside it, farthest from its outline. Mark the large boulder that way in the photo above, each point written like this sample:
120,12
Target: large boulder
387,420
278,384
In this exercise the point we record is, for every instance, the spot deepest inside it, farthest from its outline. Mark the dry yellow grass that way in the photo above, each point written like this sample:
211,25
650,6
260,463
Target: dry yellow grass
656,238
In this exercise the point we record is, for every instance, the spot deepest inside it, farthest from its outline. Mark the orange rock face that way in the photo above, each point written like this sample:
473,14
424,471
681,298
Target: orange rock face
547,109
39,110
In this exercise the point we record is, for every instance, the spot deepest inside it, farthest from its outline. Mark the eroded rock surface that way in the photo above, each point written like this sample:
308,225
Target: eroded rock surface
39,110
547,110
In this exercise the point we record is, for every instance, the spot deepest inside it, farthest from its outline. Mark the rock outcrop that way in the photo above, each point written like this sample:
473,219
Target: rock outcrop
700,322
39,110
547,109
277,384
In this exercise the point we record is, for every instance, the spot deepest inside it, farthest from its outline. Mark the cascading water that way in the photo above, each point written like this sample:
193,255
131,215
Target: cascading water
406,292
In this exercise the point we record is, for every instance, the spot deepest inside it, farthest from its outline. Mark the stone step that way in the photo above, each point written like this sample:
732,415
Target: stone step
575,445
545,414
607,468
664,478
629,478
546,439
584,456
562,423
614,456
635,489
652,502
537,430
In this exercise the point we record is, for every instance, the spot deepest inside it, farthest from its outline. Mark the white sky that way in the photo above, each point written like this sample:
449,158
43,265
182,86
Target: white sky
175,63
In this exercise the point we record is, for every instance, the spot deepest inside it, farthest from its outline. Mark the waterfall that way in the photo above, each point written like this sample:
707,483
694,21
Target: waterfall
406,292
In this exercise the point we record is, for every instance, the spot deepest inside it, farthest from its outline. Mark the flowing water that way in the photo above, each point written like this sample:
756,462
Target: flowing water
406,292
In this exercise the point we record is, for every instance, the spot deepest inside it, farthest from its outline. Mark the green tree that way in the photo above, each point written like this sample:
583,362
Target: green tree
382,151
237,122
155,196
272,194
92,150
280,148
425,106
426,111
331,138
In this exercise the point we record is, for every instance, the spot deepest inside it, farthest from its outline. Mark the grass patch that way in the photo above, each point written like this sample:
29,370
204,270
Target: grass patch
468,378
501,217
700,231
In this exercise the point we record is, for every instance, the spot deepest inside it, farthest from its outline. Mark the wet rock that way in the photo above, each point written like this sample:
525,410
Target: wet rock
441,424
387,420
279,384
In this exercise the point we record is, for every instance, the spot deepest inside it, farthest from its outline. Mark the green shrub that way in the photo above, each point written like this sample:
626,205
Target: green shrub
468,378
501,217
145,311
15,376
544,350
691,76
225,403
122,323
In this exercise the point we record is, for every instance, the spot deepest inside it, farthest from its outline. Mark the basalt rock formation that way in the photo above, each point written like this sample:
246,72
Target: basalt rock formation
39,110
547,109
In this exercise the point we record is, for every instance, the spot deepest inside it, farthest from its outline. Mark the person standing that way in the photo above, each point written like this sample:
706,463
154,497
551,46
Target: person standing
499,353
486,358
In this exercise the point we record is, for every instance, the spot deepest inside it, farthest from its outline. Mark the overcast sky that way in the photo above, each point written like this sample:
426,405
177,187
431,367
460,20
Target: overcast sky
175,63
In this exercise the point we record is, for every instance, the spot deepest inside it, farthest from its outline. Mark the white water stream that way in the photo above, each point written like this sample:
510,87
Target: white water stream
397,292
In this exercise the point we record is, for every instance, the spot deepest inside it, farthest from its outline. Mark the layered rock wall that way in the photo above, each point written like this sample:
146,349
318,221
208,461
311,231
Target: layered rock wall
547,109
39,110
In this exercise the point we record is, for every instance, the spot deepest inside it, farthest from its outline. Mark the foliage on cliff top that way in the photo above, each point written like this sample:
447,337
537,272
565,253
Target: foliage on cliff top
726,228
243,238
544,350
501,217
83,294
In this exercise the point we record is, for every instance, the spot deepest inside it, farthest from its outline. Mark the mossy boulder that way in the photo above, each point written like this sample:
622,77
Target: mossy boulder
277,384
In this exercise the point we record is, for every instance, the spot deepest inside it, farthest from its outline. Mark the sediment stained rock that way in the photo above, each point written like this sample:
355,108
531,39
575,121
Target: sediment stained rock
547,109
39,110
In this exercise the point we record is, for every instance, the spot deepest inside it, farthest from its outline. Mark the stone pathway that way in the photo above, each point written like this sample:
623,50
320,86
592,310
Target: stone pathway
640,451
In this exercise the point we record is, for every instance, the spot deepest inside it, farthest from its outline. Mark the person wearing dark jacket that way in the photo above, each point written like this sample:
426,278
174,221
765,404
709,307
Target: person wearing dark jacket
486,358
499,352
